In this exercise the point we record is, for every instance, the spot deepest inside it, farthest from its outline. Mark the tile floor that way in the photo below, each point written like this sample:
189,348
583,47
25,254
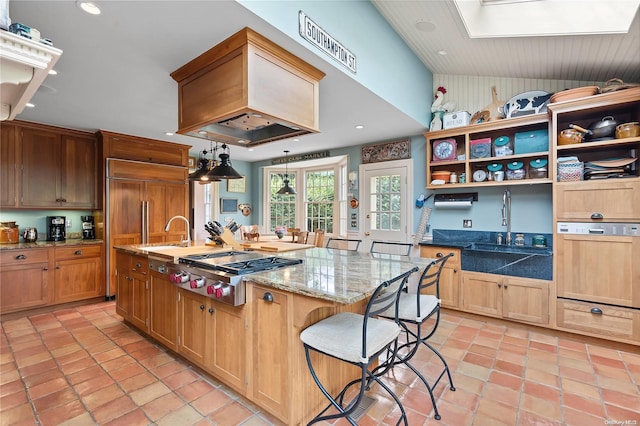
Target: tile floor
84,366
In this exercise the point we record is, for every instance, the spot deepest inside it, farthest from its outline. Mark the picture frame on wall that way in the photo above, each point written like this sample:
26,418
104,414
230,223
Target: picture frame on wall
228,205
192,163
237,185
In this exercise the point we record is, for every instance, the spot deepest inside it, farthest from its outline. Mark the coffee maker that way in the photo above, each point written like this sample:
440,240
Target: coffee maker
56,228
88,228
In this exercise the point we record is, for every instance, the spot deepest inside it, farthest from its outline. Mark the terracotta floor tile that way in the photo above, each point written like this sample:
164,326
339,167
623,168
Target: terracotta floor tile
44,377
542,377
102,396
623,400
86,374
168,369
12,400
611,372
83,419
135,417
55,416
544,347
162,406
481,360
93,384
624,386
178,380
572,344
578,375
473,370
577,364
542,407
527,419
136,382
63,396
20,414
542,355
118,364
129,370
453,415
38,368
47,387
541,391
113,409
581,418
619,413
579,388
496,410
509,368
194,390
506,380
186,415
483,350
500,393
581,403
468,383
211,402
547,367
149,393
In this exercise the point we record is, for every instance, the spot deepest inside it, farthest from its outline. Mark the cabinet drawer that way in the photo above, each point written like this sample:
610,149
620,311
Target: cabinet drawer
434,252
20,257
613,321
609,201
78,252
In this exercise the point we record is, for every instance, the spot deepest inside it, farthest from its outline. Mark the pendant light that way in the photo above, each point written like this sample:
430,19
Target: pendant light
224,170
286,189
201,175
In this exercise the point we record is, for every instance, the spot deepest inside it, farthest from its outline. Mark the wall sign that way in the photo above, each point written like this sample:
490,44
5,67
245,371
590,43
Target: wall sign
315,35
386,151
301,157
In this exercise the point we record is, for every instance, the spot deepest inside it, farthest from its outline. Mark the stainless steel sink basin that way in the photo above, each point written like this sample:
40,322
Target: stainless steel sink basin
503,248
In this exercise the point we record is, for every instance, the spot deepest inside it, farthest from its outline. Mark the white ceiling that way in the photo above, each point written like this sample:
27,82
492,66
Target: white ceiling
114,70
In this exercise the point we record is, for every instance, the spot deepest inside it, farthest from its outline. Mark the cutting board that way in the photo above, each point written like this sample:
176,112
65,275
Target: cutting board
495,107
276,247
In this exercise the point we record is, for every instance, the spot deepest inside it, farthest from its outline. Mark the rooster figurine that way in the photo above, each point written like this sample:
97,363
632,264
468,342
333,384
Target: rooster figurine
438,108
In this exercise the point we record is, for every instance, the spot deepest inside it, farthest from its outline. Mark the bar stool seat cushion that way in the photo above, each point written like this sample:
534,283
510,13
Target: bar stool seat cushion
408,307
340,336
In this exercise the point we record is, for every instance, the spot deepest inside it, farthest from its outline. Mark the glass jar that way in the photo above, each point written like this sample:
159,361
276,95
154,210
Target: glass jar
502,146
493,170
519,240
515,170
538,168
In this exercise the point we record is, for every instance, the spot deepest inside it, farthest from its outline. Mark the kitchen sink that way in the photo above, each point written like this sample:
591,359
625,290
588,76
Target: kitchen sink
504,248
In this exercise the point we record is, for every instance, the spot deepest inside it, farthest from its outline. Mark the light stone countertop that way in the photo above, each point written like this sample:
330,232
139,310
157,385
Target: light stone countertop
336,275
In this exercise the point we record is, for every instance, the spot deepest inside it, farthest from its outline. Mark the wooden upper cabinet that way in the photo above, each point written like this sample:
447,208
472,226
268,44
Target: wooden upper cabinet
115,145
58,170
8,166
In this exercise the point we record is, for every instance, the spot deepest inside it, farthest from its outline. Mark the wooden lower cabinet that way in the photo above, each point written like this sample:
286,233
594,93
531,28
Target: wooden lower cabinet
24,279
78,273
270,334
226,349
450,275
520,299
193,317
599,320
163,318
132,283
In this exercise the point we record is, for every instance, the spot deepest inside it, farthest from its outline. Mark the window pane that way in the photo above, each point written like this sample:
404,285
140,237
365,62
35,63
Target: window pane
320,195
385,202
282,207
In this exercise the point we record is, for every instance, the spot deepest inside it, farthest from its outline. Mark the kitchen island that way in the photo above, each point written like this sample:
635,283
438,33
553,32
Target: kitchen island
254,347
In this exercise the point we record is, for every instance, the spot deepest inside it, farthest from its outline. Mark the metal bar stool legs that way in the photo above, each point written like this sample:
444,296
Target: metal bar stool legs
363,337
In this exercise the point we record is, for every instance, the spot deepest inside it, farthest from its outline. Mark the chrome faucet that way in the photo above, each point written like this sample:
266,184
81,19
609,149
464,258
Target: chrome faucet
506,214
166,228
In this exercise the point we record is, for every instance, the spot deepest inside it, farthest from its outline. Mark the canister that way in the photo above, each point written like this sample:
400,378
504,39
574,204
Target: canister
493,168
515,170
502,146
539,241
538,168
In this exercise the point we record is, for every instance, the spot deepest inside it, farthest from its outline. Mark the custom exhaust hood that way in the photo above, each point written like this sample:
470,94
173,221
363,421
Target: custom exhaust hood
24,64
247,91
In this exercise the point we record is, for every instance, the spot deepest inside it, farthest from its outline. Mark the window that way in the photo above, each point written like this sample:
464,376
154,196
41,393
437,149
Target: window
320,196
385,203
282,208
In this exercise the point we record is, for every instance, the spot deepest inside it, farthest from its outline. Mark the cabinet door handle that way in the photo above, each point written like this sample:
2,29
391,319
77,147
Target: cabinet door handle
597,216
268,297
499,285
138,265
439,254
21,257
202,307
57,267
505,286
78,252
596,311
211,310
45,268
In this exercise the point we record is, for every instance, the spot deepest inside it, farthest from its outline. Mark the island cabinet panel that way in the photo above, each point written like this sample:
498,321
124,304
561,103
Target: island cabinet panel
24,279
163,324
601,201
449,277
193,318
58,169
133,289
271,370
226,350
8,165
78,273
520,299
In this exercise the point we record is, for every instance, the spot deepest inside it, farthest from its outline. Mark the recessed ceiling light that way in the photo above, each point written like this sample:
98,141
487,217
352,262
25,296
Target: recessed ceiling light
53,72
90,7
168,133
442,52
202,132
359,126
250,149
29,105
296,140
425,26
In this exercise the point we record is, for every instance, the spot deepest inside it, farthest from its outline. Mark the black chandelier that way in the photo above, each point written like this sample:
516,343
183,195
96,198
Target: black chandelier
223,170
286,189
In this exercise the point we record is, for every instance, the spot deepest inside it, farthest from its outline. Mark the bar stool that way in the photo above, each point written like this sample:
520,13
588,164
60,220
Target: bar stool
412,312
390,247
362,338
348,244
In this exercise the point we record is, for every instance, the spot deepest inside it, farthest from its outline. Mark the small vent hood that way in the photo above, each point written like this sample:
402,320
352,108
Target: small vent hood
247,91
24,64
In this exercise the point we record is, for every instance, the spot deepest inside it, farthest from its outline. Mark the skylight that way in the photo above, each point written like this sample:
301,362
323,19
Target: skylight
533,18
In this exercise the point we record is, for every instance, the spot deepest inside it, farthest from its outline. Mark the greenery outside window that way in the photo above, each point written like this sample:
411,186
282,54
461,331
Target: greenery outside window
282,207
320,197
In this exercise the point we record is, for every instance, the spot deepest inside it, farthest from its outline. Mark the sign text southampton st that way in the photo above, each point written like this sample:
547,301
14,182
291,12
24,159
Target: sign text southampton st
315,35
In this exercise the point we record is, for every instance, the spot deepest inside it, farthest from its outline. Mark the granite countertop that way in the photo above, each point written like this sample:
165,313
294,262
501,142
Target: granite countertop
339,276
336,275
44,244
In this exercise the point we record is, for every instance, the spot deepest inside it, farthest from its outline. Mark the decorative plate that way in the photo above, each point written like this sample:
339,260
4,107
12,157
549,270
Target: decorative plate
527,103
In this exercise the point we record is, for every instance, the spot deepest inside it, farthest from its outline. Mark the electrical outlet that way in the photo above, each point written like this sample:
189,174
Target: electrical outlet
466,223
68,223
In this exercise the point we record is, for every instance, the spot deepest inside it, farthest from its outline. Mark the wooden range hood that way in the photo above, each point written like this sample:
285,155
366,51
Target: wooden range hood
247,91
